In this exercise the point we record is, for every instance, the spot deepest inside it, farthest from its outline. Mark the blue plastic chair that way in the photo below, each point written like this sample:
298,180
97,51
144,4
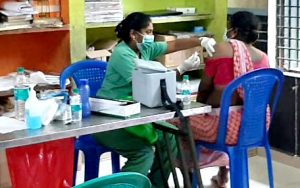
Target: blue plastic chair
94,71
118,180
261,88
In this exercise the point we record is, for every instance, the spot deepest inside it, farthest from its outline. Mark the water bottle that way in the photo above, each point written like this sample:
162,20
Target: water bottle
84,91
21,93
75,103
186,90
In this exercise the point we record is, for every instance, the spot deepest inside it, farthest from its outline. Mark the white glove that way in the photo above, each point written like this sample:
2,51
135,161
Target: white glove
191,63
208,44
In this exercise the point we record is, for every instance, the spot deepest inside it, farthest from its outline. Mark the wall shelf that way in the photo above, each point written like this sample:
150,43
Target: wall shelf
34,30
185,18
97,25
157,20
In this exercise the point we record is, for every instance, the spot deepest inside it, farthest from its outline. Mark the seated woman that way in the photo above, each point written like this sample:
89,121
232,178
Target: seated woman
232,58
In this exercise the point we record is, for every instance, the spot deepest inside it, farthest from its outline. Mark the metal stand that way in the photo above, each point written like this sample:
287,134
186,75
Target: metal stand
179,134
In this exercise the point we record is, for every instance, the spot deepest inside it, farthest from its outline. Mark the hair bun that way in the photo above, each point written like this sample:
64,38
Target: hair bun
253,36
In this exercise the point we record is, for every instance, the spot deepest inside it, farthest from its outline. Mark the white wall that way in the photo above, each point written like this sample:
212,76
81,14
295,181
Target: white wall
255,4
272,32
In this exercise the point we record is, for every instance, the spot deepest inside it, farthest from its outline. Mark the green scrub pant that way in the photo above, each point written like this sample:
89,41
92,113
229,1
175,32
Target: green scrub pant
140,154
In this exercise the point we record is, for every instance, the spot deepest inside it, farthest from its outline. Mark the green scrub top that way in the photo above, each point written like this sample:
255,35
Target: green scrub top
117,83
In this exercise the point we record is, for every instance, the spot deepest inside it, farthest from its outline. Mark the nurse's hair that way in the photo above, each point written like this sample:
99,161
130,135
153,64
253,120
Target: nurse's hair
134,21
246,24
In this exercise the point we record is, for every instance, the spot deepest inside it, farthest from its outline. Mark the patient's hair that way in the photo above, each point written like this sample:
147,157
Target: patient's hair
134,21
247,25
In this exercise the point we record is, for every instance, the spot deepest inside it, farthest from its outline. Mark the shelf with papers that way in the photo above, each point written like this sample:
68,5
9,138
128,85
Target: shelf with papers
97,25
181,18
33,30
156,20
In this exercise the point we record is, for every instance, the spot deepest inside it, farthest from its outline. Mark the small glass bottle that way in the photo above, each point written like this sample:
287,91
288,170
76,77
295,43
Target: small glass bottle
186,91
84,91
76,108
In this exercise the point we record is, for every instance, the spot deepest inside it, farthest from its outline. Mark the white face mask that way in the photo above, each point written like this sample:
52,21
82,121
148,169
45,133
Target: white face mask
225,36
146,42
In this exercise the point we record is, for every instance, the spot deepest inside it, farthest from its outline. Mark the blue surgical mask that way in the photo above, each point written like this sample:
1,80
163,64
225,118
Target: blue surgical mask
147,41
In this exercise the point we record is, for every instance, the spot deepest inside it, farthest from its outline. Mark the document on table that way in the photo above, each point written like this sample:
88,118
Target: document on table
10,124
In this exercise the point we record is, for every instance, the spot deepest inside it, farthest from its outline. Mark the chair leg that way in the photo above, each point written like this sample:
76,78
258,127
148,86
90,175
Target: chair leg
115,162
270,167
239,177
92,159
75,166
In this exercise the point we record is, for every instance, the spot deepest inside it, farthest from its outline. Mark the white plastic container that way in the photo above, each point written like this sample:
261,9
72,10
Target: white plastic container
146,87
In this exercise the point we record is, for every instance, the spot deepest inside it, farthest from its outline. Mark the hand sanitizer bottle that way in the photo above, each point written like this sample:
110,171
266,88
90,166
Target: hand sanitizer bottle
33,112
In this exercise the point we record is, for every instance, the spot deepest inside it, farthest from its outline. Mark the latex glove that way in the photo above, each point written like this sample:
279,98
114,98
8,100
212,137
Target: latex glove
208,44
191,63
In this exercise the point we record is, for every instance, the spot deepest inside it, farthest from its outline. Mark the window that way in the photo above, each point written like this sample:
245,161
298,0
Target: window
288,35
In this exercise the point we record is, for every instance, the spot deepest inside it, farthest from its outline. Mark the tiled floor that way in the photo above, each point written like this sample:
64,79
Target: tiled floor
285,176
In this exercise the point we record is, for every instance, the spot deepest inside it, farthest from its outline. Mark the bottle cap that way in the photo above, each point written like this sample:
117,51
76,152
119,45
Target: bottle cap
21,70
75,91
198,29
186,77
84,81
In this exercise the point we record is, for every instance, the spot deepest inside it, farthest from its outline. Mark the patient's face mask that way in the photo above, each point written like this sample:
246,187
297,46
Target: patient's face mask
146,41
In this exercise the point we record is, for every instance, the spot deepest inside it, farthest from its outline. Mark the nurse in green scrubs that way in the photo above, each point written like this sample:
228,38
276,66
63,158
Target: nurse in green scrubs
136,143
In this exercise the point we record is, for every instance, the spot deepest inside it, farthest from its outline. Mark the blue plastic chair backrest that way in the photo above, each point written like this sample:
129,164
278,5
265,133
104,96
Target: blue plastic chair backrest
93,70
118,180
262,88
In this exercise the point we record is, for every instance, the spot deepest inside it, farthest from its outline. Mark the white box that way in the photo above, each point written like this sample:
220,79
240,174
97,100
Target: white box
115,108
146,87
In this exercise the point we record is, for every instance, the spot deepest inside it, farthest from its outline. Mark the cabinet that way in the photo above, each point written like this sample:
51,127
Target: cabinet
50,50
284,132
212,17
36,49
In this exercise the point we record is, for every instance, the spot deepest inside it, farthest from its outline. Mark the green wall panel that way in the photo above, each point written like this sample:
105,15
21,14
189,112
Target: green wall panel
77,30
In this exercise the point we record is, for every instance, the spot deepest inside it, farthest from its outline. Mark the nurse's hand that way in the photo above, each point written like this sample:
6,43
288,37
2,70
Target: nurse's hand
192,63
208,44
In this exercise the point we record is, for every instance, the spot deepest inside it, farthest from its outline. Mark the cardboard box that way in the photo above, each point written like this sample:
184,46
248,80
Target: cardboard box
102,55
174,59
101,49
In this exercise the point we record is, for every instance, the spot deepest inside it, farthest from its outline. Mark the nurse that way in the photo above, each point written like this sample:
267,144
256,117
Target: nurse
136,143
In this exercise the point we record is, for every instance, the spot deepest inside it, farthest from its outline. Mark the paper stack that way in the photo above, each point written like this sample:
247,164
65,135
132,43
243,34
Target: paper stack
15,15
99,11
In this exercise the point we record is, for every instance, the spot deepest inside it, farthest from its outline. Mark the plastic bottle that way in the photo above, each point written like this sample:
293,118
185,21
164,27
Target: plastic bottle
21,93
84,91
186,90
33,111
76,108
